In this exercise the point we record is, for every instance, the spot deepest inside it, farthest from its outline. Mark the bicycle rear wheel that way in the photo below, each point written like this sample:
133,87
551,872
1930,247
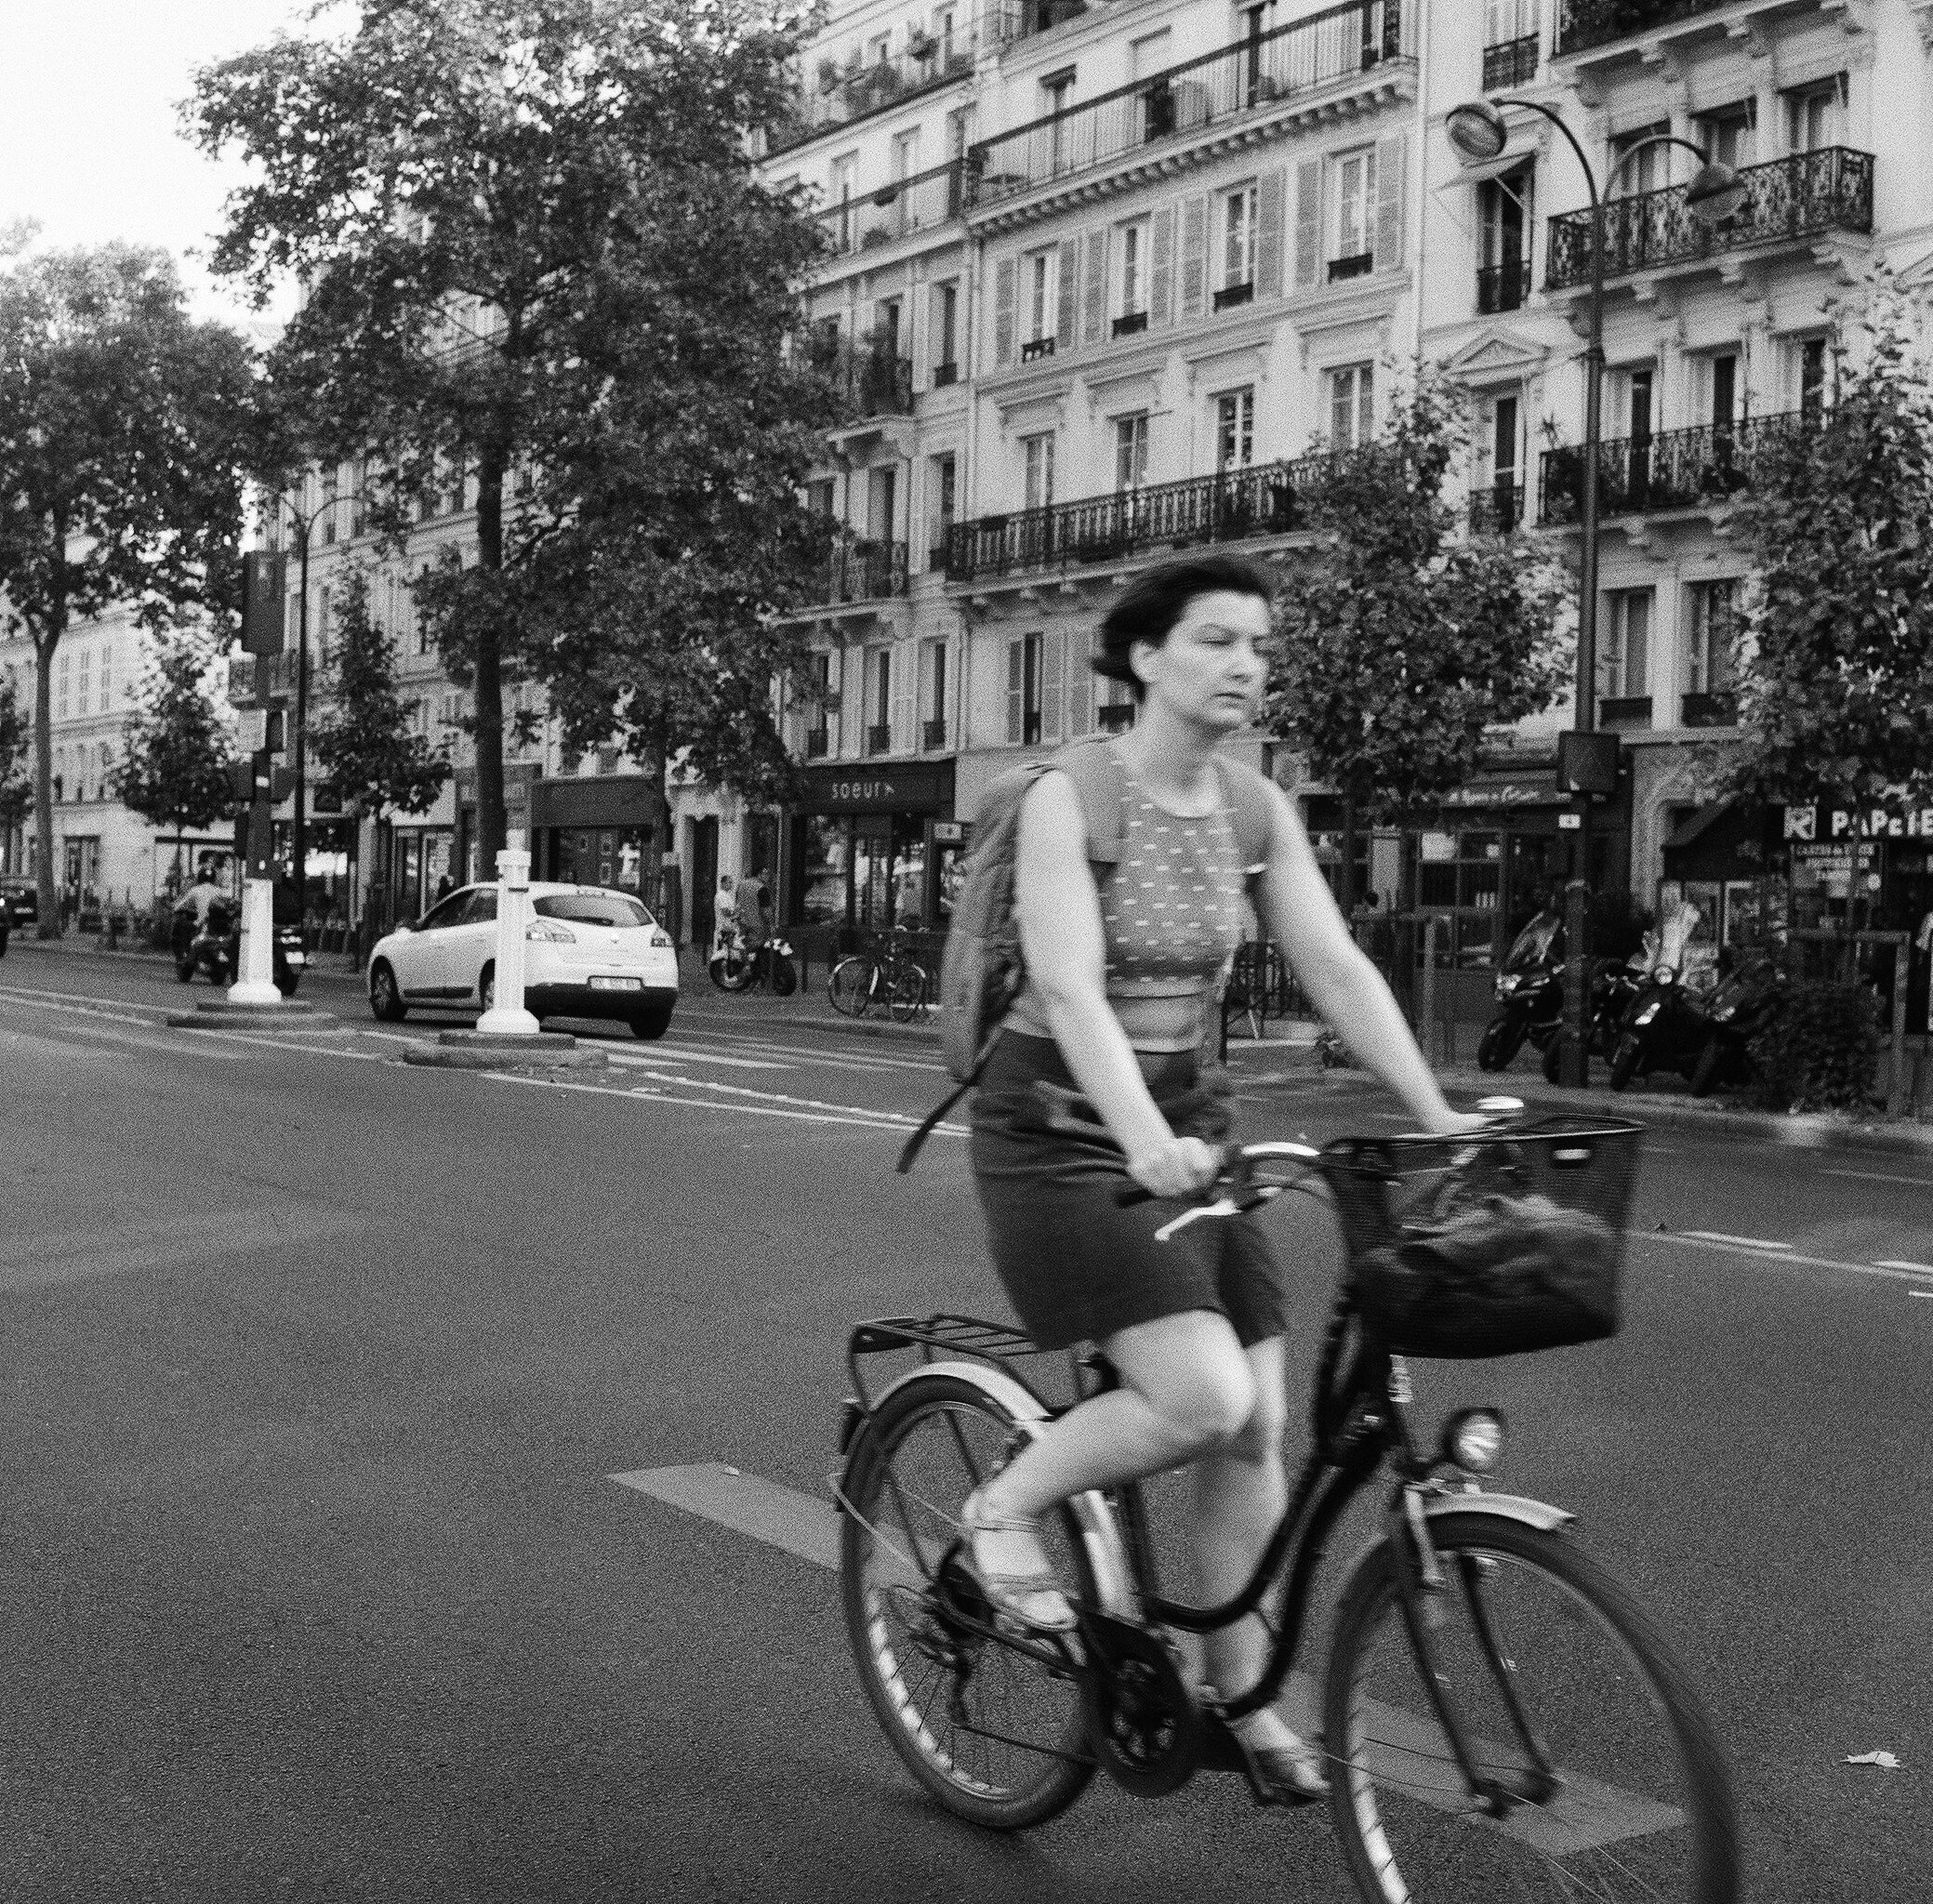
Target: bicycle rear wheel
910,987
852,983
1637,1803
986,1726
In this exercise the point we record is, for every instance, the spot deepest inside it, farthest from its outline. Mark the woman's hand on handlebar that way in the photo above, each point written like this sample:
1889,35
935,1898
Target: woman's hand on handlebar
1461,1124
1179,1166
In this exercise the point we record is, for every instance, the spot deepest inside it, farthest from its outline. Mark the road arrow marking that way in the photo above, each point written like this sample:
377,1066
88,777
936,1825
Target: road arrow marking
801,1524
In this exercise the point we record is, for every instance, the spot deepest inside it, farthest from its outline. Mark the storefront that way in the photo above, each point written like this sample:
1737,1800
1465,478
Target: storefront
874,847
598,832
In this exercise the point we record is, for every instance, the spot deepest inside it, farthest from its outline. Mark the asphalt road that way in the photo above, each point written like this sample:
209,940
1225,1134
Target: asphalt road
318,1369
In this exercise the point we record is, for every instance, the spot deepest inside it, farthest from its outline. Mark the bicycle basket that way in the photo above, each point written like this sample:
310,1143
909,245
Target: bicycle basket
1490,1245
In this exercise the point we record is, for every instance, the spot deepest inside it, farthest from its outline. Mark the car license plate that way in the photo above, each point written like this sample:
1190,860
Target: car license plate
600,983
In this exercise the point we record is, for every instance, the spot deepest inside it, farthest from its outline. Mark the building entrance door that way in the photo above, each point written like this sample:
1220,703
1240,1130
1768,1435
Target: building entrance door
704,859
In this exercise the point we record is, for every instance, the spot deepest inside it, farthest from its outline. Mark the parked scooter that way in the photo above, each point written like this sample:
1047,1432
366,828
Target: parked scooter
1529,995
1747,1000
1665,1029
1614,984
214,948
737,967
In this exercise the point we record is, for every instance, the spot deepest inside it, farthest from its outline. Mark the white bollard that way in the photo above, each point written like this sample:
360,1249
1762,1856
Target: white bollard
507,1015
255,980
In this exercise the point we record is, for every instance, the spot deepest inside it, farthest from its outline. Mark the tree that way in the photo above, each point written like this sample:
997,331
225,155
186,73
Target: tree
175,769
124,427
16,786
1834,653
536,248
364,739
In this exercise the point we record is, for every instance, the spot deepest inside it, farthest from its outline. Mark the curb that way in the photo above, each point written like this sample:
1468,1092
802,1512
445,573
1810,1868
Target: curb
481,1050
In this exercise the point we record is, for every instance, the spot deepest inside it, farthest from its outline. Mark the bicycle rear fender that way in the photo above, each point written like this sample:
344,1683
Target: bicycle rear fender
1094,1514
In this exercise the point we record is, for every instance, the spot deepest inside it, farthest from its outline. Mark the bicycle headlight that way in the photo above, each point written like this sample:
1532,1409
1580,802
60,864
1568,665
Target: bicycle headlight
1473,1438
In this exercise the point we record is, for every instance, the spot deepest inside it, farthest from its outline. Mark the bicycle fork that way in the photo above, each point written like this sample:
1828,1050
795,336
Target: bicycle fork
1425,1592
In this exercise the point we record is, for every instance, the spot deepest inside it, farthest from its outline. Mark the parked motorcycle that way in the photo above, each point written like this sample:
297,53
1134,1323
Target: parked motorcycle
737,967
1529,995
1614,984
1748,998
1665,1029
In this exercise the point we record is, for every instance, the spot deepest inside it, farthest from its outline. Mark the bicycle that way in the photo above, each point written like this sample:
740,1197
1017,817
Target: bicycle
737,966
1499,1717
887,975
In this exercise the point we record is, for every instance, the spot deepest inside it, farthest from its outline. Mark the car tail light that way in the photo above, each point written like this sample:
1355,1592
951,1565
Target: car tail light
550,933
660,938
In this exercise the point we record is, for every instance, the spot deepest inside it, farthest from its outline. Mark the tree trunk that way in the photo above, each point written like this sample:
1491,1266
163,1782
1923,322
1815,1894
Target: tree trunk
46,886
491,820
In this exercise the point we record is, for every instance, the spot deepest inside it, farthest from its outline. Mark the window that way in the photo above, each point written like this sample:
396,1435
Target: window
1505,224
106,679
85,678
1352,215
1040,303
1130,452
1645,171
1037,452
945,327
323,622
879,49
1131,279
420,622
1352,396
1499,500
906,155
1710,620
1623,666
932,695
819,497
1238,236
1726,135
61,688
878,700
1049,694
1814,116
943,493
1054,91
1024,691
1235,429
1810,363
1721,377
1632,389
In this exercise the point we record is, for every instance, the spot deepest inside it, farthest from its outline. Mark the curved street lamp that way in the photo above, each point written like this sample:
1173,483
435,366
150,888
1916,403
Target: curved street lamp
1478,133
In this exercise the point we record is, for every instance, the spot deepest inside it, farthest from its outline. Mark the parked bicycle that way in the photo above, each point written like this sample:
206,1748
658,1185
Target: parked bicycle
887,978
1500,1718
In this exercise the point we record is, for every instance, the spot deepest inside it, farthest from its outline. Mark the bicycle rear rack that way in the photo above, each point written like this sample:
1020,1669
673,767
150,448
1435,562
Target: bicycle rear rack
934,1336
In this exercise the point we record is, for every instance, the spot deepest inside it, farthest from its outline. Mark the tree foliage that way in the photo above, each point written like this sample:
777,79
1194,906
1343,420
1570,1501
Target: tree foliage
362,739
123,429
537,247
1834,656
1404,644
176,747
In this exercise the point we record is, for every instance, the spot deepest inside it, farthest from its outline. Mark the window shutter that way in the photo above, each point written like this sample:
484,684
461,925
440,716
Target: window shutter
1053,649
1067,294
1017,688
1003,279
1271,189
1161,275
1308,222
1080,689
1093,289
903,684
1193,265
1391,155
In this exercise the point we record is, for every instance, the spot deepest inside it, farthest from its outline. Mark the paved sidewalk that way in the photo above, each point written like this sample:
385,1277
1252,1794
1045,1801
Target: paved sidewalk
90,945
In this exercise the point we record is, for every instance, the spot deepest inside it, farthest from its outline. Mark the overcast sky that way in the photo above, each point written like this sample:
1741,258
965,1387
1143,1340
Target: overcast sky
89,138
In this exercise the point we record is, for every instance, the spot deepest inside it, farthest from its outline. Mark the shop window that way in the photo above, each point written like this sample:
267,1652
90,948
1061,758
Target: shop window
1462,874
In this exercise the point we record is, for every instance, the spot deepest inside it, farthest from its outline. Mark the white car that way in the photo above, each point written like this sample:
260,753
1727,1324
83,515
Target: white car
588,953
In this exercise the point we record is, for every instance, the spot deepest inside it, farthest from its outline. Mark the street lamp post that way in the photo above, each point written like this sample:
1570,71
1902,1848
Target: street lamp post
1478,132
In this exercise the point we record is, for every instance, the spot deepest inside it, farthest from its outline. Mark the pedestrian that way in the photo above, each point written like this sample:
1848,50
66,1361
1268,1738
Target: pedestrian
444,888
754,909
724,913
1110,1030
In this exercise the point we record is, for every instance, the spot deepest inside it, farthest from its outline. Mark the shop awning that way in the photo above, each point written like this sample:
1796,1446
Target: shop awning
1724,839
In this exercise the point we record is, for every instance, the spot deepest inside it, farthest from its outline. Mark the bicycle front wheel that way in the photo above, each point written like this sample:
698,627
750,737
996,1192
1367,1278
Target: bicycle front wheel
990,1728
852,982
910,994
1568,1696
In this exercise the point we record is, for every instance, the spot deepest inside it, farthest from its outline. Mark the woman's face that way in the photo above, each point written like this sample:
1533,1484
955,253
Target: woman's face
1213,666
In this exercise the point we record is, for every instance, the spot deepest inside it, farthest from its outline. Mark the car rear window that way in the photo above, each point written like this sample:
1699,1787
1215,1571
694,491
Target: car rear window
593,908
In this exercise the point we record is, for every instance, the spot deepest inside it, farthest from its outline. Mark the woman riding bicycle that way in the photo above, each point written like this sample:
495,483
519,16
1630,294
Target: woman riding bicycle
1120,984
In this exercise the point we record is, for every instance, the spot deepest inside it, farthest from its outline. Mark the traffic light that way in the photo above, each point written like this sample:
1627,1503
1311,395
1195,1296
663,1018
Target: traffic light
1587,763
241,780
274,732
264,584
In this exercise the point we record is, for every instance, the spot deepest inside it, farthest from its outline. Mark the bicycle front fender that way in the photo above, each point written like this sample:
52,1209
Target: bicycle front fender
1093,1513
1540,1515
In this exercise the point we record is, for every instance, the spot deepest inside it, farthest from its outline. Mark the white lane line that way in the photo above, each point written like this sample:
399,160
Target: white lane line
687,1054
779,1516
857,1116
1925,1295
1882,1177
39,1262
1911,1268
848,1060
127,1039
1691,1239
895,1118
283,1044
56,1001
1736,1242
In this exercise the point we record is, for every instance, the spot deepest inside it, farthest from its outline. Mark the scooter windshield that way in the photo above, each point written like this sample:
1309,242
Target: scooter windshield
1533,947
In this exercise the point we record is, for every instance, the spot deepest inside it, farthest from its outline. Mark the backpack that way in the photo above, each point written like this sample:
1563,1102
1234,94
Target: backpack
981,970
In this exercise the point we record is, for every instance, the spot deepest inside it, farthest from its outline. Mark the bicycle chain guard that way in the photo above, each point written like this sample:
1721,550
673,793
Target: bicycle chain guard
1143,1724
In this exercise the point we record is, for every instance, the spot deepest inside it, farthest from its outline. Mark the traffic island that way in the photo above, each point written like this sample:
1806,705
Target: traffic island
237,1014
507,1050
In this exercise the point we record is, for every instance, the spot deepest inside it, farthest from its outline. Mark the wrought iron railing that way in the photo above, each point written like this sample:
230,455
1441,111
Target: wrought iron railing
1252,77
1502,287
1509,63
879,737
932,736
1716,710
1497,506
1268,501
866,571
1799,196
1674,469
835,95
1583,24
919,204
1019,20
871,376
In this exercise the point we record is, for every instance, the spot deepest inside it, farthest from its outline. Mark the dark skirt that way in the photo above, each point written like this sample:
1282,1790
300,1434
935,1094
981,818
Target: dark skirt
1076,1264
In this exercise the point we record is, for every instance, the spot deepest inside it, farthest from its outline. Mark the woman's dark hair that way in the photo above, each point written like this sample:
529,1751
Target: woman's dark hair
1158,597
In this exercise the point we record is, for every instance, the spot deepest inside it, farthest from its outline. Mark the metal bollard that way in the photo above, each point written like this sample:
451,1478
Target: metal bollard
506,1016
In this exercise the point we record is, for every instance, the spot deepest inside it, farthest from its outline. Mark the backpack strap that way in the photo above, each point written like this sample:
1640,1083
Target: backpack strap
1102,790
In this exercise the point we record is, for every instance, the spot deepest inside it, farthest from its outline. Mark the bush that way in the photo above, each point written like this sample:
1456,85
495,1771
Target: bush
1818,1050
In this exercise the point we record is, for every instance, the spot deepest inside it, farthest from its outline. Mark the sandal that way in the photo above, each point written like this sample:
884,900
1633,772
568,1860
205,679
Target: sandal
1286,1775
1033,1598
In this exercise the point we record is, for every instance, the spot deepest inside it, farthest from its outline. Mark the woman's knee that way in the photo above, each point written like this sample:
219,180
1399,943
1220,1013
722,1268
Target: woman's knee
1208,1401
1260,1437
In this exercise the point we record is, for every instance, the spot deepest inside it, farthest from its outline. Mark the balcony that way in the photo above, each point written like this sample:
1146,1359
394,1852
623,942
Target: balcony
816,740
838,95
945,374
1510,63
1266,500
1130,323
866,571
1709,710
1502,287
1249,79
879,737
1019,19
1359,264
932,736
1230,296
1624,713
923,203
1585,24
1806,195
1496,507
872,374
1035,349
1676,470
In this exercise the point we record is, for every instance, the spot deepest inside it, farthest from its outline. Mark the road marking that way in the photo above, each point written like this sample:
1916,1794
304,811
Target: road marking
783,1517
687,1054
1782,1255
895,1118
55,1038
1882,1177
1911,1268
1736,1242
90,1007
30,1262
857,1116
1925,1295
